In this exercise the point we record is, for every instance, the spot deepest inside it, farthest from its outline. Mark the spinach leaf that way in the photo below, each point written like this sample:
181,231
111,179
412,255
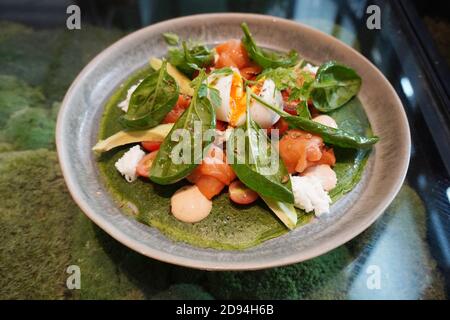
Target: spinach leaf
165,170
303,110
334,86
349,170
266,59
189,58
351,162
255,171
171,38
337,137
151,101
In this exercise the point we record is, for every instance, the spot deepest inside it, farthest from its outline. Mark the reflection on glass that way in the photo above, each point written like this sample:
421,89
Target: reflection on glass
407,87
400,257
376,55
337,18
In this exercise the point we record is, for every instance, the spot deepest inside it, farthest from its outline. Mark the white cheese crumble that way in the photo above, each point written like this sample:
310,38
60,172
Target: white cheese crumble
128,163
124,103
309,195
310,68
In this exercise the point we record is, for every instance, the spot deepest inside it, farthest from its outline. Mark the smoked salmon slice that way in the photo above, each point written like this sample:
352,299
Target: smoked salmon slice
213,173
232,54
300,150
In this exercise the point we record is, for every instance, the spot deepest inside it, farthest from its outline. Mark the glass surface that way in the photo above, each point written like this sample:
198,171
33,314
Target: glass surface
404,255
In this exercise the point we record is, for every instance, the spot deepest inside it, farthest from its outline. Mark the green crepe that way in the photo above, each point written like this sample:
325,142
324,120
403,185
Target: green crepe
229,226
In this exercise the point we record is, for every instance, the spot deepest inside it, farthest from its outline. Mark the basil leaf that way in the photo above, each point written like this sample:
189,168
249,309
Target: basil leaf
337,137
171,38
164,169
190,58
151,101
334,86
266,59
252,165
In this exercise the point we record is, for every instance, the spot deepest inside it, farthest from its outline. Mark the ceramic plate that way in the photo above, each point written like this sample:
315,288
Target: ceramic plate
83,105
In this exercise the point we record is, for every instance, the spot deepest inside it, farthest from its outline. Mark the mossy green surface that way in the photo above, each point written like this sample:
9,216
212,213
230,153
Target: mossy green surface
11,29
5,147
74,51
36,215
16,95
297,281
29,55
42,231
30,128
183,291
101,274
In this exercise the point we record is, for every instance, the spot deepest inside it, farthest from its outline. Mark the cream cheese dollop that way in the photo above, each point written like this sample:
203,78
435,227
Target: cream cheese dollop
189,205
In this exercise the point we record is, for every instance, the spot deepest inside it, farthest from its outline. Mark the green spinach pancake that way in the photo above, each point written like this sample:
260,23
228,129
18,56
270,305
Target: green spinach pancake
325,141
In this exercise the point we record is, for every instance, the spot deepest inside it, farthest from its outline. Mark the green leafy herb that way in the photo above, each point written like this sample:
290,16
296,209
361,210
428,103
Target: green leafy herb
208,91
266,59
214,97
303,110
213,93
298,81
330,135
171,38
152,100
303,89
255,171
284,78
189,58
164,169
334,86
223,71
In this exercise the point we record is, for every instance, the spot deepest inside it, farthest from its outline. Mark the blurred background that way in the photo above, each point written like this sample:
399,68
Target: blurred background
42,231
